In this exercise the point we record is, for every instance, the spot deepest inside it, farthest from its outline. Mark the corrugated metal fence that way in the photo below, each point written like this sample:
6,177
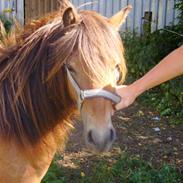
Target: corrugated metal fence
6,7
25,10
162,12
12,9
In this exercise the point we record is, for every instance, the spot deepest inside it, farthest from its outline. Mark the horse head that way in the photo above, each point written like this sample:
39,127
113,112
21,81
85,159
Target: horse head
96,63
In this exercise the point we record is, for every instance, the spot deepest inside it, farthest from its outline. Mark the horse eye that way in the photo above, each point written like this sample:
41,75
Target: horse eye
71,69
118,74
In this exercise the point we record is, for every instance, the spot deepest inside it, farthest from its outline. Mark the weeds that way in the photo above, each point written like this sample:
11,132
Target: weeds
143,53
125,170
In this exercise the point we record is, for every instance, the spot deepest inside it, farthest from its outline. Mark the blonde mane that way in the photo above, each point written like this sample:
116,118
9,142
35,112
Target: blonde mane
34,93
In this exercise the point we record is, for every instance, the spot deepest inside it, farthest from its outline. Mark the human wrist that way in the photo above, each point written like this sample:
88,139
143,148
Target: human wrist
137,88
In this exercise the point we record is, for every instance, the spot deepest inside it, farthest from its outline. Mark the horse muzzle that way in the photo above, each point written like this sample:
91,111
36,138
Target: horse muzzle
100,140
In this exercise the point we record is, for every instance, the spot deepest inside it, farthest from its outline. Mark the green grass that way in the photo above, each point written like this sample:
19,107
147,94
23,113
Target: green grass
125,170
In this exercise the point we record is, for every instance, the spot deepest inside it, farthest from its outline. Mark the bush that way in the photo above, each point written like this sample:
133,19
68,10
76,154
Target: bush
143,53
7,22
179,7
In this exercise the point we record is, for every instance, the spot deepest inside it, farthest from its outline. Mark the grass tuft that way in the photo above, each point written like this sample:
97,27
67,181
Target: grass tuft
126,169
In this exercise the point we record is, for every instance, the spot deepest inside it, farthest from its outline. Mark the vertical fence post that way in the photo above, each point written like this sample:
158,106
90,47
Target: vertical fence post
147,23
20,11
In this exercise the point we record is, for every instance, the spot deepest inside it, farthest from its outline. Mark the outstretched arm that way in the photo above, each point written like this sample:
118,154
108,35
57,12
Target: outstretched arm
170,67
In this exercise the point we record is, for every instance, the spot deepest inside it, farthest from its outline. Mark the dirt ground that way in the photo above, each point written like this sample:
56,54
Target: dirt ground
136,135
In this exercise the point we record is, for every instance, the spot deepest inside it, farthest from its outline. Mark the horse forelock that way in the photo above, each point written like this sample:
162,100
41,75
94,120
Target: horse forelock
33,88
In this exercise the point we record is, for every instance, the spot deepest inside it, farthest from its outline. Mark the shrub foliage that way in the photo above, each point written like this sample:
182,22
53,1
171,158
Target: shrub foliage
142,53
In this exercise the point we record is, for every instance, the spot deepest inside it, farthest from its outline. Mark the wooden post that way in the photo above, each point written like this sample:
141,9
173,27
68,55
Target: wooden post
147,23
33,9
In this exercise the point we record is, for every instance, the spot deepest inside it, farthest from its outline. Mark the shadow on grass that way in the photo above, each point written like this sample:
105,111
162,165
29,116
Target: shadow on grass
124,169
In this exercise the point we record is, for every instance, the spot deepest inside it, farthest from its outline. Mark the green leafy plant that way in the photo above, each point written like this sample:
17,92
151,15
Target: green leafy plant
7,22
54,175
179,7
143,53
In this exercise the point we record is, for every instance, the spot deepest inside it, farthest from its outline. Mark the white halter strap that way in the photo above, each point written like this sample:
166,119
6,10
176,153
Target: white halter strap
92,93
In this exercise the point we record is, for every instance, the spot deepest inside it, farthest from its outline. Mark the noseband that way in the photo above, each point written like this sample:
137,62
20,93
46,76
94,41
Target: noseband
92,93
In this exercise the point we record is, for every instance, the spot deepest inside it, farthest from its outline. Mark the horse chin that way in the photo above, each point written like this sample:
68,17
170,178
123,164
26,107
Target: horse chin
98,149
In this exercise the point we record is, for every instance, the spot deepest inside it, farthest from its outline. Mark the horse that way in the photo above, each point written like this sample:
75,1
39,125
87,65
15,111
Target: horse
40,75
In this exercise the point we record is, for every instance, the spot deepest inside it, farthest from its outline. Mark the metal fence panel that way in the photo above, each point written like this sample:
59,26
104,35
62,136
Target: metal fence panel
7,8
25,10
163,12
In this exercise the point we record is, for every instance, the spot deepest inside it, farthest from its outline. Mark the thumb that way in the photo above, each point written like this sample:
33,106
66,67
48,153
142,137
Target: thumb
121,105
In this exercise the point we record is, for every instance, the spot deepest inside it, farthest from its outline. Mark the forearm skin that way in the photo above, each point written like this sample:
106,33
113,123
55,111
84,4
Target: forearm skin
169,68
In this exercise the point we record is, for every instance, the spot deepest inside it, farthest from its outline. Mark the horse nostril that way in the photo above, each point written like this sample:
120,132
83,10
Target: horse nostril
90,138
112,135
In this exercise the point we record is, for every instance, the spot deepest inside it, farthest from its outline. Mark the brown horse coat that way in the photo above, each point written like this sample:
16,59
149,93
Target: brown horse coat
36,101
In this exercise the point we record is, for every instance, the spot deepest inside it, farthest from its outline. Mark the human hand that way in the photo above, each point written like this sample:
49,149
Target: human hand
127,95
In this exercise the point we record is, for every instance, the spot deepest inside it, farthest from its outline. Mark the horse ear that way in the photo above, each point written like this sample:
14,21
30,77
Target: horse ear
69,17
119,18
